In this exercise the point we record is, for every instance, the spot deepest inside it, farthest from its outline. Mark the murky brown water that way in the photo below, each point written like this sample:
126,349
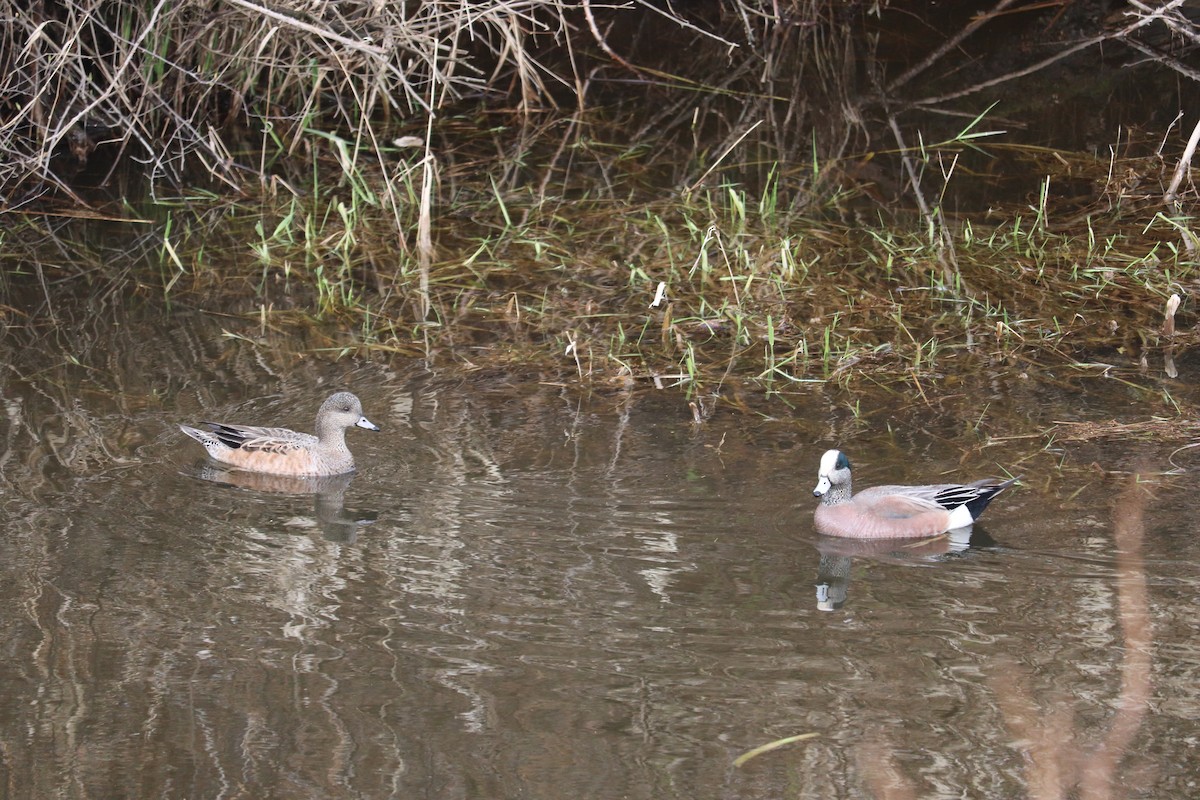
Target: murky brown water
530,591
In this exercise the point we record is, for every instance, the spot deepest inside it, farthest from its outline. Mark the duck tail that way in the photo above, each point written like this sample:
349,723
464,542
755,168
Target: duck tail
987,489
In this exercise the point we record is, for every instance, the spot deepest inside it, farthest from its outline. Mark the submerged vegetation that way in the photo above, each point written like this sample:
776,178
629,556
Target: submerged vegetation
532,182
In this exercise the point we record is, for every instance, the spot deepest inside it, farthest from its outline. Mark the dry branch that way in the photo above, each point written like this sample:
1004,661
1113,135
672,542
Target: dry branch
1127,30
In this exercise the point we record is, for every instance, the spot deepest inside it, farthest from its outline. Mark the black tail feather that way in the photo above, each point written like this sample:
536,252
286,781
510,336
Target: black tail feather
988,489
228,436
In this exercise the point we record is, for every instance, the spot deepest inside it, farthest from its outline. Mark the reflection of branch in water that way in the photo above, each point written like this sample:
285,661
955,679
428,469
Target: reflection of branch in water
1045,736
1056,761
1129,530
877,761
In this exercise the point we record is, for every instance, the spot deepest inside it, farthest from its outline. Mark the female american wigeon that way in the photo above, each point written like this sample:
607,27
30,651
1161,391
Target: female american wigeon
895,512
280,451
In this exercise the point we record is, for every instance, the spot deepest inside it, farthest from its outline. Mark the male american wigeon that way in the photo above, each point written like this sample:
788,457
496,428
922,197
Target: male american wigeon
896,512
280,451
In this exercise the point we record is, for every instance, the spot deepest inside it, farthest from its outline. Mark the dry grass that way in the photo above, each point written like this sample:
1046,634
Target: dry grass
184,88
239,92
1157,429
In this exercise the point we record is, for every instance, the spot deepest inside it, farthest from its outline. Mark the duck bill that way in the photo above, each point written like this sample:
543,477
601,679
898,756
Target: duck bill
363,422
823,486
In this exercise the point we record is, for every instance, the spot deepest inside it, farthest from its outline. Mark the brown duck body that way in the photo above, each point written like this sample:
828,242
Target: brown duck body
896,512
281,451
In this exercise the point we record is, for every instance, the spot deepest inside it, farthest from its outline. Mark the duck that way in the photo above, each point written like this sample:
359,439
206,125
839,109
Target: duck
896,512
280,451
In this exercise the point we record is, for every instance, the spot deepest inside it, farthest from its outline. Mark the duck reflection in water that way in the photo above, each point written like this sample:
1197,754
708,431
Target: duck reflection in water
328,493
838,554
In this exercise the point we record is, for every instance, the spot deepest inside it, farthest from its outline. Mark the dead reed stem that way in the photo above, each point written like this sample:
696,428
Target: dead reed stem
1171,198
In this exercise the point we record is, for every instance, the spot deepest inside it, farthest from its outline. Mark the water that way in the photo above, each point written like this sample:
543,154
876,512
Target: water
530,590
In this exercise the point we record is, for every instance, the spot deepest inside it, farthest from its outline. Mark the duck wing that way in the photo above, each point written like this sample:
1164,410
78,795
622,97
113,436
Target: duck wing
975,496
262,440
897,502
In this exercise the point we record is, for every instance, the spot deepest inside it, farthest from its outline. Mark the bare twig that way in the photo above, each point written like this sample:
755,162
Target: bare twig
324,33
933,218
1059,56
600,39
949,45
721,157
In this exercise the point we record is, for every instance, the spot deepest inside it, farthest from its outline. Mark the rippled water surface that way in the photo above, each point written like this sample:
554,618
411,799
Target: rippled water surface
532,590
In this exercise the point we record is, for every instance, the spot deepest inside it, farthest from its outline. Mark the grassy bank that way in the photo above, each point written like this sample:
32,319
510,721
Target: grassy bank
623,282
605,220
